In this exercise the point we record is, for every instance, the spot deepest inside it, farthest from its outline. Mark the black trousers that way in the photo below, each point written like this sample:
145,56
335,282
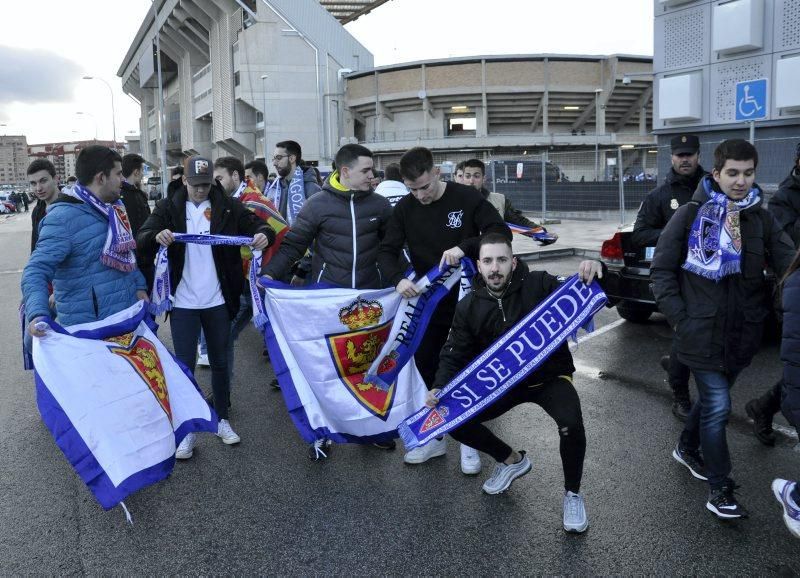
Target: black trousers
427,355
560,400
770,400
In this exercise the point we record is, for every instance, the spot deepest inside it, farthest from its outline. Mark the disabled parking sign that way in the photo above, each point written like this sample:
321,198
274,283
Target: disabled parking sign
751,100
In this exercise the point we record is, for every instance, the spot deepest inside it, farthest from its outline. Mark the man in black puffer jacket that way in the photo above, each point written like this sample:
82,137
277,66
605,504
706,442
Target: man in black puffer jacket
502,295
343,224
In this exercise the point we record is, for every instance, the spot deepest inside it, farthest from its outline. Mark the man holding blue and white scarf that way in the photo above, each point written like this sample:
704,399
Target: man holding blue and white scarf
289,192
85,249
708,279
502,295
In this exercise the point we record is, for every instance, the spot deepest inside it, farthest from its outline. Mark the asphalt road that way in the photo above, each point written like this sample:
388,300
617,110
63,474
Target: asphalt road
263,507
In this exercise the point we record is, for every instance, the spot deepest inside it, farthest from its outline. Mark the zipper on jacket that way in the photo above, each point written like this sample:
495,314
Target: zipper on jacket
94,302
500,306
321,272
355,255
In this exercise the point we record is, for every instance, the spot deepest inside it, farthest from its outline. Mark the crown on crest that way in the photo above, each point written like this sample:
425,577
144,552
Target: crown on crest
361,313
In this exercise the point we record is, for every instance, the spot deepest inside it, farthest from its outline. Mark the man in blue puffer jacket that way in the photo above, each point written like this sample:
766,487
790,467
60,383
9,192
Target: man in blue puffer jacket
85,249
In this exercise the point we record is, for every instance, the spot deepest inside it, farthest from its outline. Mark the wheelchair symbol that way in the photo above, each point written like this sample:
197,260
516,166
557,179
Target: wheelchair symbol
748,106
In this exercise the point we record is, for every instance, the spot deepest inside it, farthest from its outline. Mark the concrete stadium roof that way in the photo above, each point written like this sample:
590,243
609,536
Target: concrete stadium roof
348,10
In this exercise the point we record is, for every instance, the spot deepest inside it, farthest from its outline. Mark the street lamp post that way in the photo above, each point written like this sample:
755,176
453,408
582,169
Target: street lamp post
264,78
113,111
94,120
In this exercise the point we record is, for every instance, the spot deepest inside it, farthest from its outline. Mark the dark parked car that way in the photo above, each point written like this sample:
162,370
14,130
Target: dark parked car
628,283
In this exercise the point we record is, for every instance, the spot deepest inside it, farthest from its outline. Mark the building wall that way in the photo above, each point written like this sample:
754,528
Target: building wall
63,155
13,159
489,103
686,36
226,108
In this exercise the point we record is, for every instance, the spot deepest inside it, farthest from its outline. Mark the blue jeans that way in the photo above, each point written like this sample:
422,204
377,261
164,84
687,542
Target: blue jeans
705,426
238,324
185,325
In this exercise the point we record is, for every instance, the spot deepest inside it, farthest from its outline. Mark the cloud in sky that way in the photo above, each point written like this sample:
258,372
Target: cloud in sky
36,76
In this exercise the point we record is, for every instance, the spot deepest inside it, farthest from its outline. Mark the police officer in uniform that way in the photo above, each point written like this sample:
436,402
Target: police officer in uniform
657,208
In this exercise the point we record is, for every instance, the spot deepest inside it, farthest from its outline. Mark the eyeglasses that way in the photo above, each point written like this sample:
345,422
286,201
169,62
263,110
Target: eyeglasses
279,158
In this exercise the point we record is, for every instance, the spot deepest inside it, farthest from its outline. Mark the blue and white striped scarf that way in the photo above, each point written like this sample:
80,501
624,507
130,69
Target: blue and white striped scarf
161,295
118,251
296,192
715,239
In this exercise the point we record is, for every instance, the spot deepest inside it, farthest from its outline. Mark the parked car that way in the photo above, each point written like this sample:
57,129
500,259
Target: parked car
628,282
8,205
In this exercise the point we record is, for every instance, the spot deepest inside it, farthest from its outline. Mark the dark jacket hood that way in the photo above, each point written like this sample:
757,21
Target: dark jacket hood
792,181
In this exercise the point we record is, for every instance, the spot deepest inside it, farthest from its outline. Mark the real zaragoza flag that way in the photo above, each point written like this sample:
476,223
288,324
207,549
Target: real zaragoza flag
321,342
116,401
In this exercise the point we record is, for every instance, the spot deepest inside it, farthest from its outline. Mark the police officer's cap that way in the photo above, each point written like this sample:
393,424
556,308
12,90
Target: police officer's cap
685,143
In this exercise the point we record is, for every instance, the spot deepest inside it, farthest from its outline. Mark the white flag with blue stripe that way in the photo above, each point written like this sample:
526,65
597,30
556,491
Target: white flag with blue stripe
116,401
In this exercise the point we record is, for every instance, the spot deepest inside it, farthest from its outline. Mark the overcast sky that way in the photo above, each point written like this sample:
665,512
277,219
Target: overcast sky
47,46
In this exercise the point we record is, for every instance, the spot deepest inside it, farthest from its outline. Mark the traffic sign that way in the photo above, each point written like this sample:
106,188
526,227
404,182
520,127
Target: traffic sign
751,100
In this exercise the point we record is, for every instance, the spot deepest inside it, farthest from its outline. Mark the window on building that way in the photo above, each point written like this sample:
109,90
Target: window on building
236,78
461,125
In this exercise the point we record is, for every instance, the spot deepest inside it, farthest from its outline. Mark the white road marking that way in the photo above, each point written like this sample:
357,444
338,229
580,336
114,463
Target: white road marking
597,332
10,271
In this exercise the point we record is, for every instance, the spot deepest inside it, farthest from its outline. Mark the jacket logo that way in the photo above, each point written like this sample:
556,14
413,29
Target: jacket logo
454,219
673,204
354,351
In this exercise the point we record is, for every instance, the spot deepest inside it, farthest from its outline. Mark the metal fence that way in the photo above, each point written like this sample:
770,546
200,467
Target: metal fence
606,184
602,184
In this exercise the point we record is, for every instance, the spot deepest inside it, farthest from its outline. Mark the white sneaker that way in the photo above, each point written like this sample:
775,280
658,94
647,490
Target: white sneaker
433,449
505,474
226,434
470,461
575,520
791,511
186,449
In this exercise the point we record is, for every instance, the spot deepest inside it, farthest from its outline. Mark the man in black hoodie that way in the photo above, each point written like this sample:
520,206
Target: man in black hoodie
502,295
654,213
439,223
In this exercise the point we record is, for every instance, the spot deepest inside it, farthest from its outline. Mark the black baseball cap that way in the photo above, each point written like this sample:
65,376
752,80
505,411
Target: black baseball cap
199,171
684,143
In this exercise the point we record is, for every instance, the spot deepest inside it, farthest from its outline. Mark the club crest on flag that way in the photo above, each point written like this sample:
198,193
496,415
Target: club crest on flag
354,351
142,354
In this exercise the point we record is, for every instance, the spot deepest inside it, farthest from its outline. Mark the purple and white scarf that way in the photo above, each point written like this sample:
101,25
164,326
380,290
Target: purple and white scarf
161,295
715,239
118,251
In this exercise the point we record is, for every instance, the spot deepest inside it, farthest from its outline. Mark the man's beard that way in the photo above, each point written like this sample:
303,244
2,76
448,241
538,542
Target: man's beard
285,171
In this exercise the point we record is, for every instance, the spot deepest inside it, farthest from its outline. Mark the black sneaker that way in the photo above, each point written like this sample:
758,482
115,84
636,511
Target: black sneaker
274,384
664,361
762,423
692,460
388,446
723,503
